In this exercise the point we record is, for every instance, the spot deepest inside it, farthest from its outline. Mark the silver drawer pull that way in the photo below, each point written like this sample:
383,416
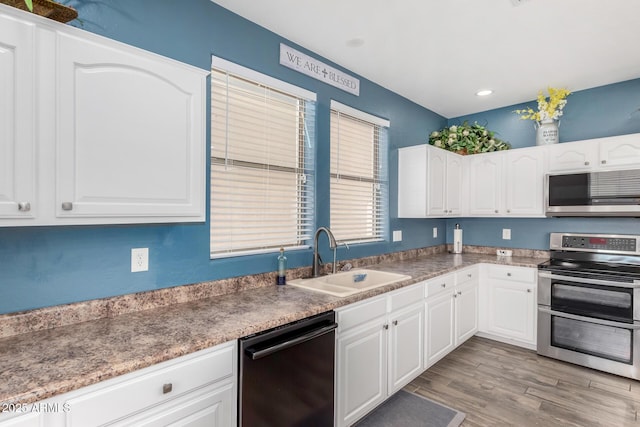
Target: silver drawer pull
24,206
604,162
586,163
444,285
395,323
385,326
167,388
67,206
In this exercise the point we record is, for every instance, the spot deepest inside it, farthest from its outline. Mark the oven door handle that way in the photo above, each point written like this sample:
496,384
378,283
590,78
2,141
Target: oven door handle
258,354
546,275
547,310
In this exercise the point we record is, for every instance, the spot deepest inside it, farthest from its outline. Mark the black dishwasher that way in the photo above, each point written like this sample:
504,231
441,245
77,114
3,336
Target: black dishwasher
287,374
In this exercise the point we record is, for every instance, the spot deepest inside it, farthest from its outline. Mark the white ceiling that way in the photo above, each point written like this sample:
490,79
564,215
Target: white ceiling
439,53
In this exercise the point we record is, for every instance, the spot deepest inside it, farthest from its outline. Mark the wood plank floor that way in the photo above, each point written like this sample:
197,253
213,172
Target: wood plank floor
498,384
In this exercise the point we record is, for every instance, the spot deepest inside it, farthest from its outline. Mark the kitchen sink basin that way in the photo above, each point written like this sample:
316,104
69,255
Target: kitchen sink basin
349,282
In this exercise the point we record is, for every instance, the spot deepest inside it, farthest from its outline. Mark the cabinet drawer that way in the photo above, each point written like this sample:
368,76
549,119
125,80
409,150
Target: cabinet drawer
405,297
359,313
514,274
466,275
439,284
141,390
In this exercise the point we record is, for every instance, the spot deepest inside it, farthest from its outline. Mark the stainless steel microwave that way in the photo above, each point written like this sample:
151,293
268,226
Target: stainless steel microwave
604,193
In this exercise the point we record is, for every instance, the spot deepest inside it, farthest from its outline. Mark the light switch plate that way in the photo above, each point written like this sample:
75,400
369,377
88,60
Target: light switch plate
397,235
435,232
139,259
506,234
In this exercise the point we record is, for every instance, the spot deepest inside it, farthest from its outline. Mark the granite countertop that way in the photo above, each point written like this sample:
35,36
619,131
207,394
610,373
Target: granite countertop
38,365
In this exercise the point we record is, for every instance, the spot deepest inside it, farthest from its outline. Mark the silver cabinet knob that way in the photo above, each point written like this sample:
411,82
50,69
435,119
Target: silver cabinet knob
529,290
395,323
496,211
455,295
459,292
67,206
469,275
24,206
444,285
509,274
586,163
604,162
166,388
385,326
508,210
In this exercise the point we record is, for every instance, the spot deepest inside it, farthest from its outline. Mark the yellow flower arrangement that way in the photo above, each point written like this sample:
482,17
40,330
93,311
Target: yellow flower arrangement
550,109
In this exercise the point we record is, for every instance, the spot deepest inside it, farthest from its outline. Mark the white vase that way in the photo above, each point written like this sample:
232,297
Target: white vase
547,132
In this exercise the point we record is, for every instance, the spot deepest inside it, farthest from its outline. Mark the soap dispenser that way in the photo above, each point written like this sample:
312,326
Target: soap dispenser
282,268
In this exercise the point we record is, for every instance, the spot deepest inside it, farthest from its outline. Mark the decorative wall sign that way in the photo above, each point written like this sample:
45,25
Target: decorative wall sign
305,64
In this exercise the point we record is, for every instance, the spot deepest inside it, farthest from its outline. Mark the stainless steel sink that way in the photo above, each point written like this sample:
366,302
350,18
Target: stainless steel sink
349,282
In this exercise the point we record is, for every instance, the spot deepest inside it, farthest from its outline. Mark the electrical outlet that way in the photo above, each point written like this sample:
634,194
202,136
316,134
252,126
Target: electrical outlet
139,259
504,252
506,234
397,235
435,232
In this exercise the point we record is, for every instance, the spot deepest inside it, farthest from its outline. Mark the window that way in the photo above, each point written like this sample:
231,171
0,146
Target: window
261,162
359,187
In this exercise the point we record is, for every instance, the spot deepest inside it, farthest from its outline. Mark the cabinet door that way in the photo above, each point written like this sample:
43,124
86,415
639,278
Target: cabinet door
361,375
131,133
436,182
621,151
485,184
17,119
572,156
453,189
439,340
466,309
512,310
524,181
412,182
406,346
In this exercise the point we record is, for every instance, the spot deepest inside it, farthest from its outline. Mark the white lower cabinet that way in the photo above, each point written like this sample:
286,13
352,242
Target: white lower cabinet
509,305
194,390
451,312
379,350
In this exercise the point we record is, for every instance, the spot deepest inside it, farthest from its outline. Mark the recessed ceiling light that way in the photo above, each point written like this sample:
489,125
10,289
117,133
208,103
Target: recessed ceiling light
484,92
355,42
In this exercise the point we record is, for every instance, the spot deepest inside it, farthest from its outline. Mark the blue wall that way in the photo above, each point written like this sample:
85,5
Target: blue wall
43,266
593,113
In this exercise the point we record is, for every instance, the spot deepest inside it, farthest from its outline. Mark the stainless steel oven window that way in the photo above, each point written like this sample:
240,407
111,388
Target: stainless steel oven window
604,341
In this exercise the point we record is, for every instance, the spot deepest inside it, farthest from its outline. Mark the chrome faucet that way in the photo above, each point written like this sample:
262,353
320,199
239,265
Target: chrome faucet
316,256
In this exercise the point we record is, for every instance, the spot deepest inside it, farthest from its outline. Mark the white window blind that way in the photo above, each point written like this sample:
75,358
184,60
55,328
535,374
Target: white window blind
359,185
261,166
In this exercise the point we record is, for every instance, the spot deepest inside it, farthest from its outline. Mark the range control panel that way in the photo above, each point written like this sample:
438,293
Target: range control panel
595,242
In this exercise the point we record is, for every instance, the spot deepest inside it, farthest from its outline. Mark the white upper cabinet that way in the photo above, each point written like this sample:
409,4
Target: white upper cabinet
581,155
429,182
524,181
17,144
616,152
412,181
485,183
506,183
619,151
116,134
130,133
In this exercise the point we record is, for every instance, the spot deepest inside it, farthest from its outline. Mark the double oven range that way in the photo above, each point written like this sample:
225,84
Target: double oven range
589,302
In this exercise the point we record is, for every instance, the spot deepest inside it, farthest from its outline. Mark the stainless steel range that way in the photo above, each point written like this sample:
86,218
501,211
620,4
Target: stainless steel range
589,302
